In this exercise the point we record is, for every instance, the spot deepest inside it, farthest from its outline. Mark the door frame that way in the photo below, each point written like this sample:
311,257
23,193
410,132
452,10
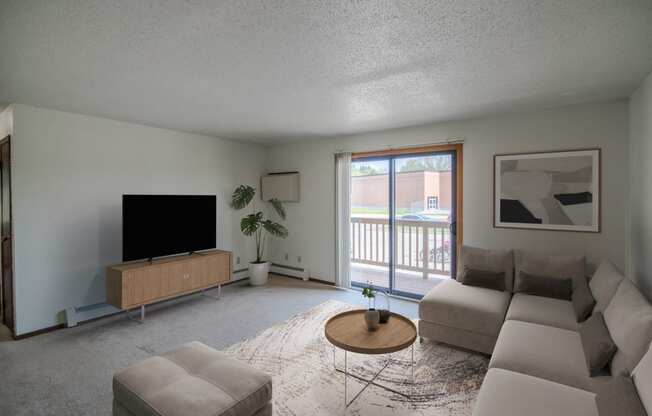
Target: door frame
11,294
456,149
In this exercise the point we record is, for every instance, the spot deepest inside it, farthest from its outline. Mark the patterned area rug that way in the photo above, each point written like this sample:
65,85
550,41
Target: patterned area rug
300,359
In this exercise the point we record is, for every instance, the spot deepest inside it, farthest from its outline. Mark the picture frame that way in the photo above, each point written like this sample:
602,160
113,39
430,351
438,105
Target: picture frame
554,190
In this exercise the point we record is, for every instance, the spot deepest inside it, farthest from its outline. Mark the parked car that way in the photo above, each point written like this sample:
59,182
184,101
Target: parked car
414,217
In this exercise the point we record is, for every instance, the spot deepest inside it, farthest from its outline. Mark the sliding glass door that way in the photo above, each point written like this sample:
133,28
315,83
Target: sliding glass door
403,220
370,222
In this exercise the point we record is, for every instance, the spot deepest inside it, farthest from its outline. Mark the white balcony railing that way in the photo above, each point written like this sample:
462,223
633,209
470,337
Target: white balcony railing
421,246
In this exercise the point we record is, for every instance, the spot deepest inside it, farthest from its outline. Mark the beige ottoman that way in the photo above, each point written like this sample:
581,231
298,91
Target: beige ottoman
191,380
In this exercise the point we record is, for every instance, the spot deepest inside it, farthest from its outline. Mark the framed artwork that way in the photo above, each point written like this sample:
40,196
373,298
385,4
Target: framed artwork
548,190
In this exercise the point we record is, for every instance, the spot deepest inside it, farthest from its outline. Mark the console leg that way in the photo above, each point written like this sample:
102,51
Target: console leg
219,293
142,315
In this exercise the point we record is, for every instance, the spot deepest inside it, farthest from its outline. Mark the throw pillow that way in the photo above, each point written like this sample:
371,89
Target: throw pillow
583,303
491,260
549,287
483,278
598,346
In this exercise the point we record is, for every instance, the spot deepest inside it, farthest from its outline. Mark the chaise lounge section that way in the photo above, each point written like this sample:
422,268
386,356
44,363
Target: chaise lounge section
468,316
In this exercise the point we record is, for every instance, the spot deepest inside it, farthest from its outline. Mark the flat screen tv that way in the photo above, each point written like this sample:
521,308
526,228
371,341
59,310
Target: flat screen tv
161,225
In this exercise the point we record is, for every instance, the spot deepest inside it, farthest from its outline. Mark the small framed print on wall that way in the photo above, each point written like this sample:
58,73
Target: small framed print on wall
548,190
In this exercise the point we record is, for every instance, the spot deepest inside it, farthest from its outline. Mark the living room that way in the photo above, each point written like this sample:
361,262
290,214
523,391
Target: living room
326,208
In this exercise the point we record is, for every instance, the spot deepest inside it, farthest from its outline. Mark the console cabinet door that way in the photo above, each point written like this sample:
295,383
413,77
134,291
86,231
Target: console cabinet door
177,276
142,285
198,273
219,268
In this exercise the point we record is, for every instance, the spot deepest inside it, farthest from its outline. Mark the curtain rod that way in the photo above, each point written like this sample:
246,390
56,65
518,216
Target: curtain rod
400,146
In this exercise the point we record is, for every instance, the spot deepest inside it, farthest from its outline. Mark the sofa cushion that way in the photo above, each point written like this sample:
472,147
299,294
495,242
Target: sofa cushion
490,260
642,376
604,284
619,397
598,346
545,286
561,267
629,320
506,393
192,380
544,311
542,351
483,278
470,308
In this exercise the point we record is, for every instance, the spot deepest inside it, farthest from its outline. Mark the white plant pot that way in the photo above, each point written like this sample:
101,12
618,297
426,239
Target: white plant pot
258,273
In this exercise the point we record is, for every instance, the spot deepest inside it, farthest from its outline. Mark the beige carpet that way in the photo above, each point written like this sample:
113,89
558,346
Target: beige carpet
300,359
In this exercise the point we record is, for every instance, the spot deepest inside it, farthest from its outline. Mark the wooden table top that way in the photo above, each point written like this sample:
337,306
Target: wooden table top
348,331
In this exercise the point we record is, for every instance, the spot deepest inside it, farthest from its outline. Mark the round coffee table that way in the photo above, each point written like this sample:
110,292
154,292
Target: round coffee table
348,331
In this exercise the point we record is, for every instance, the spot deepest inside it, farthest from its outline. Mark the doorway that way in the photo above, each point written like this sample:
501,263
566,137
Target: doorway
6,242
405,218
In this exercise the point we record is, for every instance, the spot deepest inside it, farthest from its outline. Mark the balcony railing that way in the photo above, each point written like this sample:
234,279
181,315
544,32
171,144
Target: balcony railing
421,246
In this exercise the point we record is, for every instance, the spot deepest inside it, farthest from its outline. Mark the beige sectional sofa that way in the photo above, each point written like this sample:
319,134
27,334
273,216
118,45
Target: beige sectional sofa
538,364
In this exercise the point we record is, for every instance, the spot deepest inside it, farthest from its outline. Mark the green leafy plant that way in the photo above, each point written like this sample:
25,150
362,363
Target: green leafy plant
255,224
369,292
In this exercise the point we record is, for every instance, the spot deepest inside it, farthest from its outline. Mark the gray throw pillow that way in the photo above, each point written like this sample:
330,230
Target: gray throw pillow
598,346
619,397
548,287
483,278
583,303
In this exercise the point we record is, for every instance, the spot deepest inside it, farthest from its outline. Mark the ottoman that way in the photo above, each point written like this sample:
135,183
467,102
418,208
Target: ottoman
191,380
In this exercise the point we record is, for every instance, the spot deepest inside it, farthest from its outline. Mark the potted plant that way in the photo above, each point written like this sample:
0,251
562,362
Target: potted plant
257,226
371,315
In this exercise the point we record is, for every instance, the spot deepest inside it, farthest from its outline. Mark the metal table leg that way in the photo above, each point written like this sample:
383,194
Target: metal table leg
368,382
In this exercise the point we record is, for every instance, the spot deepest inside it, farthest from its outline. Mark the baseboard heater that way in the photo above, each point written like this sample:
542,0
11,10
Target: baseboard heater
86,313
290,271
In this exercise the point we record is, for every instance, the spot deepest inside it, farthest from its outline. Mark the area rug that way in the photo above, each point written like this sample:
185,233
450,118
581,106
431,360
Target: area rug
300,360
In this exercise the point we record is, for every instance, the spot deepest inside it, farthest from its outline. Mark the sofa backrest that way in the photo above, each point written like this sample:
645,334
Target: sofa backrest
562,267
604,284
642,376
629,320
490,260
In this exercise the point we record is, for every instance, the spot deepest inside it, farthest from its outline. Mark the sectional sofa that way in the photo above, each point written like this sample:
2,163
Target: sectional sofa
538,360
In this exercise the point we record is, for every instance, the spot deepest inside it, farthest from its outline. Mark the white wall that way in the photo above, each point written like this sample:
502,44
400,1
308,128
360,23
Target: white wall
69,173
640,180
604,125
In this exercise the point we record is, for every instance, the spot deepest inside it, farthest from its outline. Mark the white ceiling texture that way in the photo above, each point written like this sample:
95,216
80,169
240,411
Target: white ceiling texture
273,71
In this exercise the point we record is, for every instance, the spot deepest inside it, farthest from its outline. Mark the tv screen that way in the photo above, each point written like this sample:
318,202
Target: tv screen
161,225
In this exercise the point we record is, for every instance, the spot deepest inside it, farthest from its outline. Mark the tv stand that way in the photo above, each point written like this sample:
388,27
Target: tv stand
135,285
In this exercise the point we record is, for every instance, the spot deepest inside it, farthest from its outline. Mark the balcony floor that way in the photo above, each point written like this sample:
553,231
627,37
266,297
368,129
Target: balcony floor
406,281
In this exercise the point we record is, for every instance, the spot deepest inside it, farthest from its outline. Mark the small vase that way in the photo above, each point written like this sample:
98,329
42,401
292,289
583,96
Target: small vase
372,319
384,316
384,313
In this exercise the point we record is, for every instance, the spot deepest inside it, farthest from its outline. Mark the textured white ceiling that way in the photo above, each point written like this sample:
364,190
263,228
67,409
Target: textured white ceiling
276,70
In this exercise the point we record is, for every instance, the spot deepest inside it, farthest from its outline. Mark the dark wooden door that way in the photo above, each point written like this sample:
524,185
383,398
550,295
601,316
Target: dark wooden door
6,236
